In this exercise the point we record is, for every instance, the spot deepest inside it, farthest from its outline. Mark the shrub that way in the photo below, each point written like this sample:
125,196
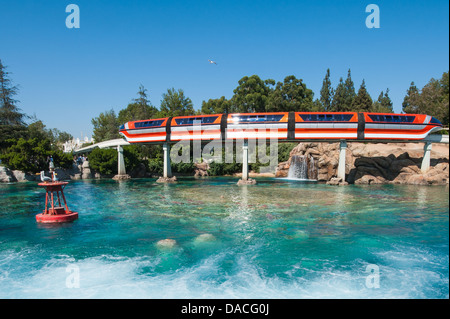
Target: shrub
155,166
61,159
103,161
30,155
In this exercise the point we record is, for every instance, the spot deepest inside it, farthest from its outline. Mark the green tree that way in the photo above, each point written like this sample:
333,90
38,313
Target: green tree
444,102
11,119
27,155
326,92
350,93
9,112
216,106
433,99
252,94
37,130
56,137
106,126
174,103
139,109
410,101
290,95
338,103
362,102
383,104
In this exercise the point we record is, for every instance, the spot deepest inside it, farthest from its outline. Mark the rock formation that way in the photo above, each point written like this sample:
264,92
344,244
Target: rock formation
201,169
249,181
162,179
396,163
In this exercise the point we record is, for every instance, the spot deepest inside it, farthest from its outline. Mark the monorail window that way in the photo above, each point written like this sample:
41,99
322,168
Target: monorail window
196,120
122,127
257,118
148,123
326,117
392,118
435,121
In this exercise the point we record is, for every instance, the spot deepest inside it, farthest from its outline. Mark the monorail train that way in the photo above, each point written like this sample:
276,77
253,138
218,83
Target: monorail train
287,126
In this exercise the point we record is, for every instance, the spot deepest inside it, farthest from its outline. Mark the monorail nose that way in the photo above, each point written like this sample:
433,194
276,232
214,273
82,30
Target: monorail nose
435,121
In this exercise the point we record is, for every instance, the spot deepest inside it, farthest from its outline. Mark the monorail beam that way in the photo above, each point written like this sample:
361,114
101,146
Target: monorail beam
341,165
245,161
120,161
426,157
167,169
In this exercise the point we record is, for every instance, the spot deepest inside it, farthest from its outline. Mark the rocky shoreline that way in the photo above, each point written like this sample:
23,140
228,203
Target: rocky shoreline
394,163
82,171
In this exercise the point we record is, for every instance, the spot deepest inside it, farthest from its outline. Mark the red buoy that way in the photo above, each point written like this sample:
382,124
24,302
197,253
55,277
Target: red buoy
54,211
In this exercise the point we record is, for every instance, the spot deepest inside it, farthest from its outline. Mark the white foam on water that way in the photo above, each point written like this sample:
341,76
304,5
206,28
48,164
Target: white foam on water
124,277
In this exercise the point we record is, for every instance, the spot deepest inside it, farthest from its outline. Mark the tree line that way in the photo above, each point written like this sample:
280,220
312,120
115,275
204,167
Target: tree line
254,94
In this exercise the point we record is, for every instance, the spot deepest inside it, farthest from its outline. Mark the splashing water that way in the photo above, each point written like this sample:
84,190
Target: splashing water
276,239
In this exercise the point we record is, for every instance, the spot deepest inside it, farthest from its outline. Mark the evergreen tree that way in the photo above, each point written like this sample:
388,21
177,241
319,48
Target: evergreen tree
383,103
362,102
410,102
326,93
338,103
349,93
9,112
12,124
139,109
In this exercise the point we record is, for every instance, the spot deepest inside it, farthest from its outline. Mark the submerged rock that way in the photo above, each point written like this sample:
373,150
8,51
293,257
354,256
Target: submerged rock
300,235
249,181
166,244
121,177
337,181
205,238
167,179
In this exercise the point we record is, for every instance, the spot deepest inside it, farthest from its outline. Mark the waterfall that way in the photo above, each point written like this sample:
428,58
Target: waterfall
312,169
302,167
299,167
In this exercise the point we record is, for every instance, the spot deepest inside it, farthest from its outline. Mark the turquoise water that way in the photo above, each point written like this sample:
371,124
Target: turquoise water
276,239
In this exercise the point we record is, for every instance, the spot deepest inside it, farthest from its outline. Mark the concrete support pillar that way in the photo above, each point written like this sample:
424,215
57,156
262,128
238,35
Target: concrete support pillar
167,168
341,166
120,161
426,157
245,160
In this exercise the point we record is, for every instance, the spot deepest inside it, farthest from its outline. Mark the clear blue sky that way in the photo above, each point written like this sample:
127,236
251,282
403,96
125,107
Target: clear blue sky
68,76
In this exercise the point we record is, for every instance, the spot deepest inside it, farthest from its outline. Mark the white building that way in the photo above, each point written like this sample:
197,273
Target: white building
75,144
